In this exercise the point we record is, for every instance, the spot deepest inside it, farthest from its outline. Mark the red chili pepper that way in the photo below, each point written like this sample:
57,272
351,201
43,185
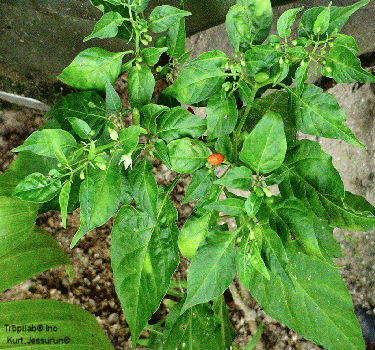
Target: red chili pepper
216,159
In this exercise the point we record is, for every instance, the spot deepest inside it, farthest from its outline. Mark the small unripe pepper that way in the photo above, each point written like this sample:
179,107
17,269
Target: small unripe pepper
216,159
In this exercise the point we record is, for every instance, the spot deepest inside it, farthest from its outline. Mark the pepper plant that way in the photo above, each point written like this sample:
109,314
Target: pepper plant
282,247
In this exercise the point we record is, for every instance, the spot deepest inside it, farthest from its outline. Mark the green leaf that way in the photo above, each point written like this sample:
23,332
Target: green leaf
143,258
162,152
144,187
163,17
228,333
319,307
67,318
48,143
319,114
255,338
186,330
224,146
264,149
327,242
230,206
37,188
252,204
141,83
113,101
340,15
238,178
107,26
151,55
179,122
322,21
192,234
64,200
262,58
17,218
92,68
310,176
80,127
18,251
290,218
221,116
199,185
201,77
99,197
301,75
249,22
187,155
129,138
342,64
149,114
176,39
212,268
249,257
87,105
286,20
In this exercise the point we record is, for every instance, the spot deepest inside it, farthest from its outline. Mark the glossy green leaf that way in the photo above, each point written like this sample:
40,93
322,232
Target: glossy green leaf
68,320
264,149
163,17
340,15
224,146
310,176
107,26
322,21
112,99
252,204
99,197
342,64
143,258
129,138
87,105
192,234
161,151
221,116
291,219
286,20
249,257
176,39
238,178
151,55
149,115
212,268
144,187
201,77
48,143
179,122
199,185
37,188
319,114
141,83
80,127
196,329
261,58
27,254
330,248
319,307
92,68
187,155
229,206
249,22
17,218
228,333
64,200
